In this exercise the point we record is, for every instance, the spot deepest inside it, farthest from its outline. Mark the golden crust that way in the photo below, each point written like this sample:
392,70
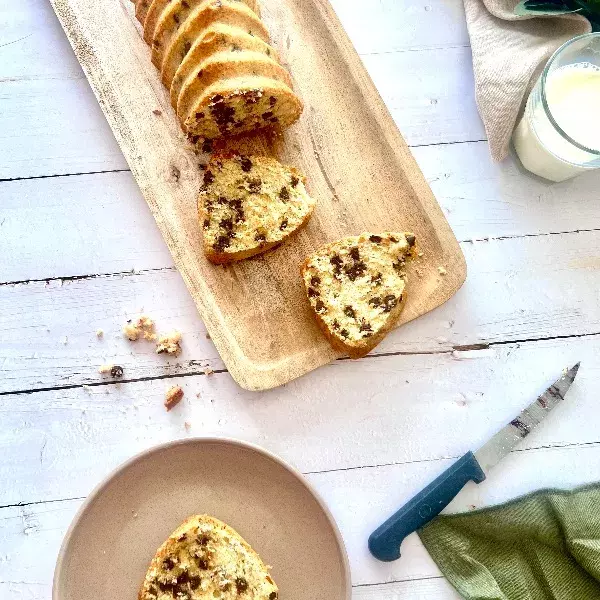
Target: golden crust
231,13
218,37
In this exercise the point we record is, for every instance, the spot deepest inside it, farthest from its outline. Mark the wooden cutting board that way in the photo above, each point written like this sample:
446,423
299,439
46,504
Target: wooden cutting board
357,165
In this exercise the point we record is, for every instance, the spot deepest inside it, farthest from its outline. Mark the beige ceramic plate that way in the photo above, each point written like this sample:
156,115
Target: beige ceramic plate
118,529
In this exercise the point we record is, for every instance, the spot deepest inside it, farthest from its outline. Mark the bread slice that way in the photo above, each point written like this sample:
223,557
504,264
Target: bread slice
225,65
242,104
174,17
356,288
158,7
219,37
248,205
141,9
204,559
227,11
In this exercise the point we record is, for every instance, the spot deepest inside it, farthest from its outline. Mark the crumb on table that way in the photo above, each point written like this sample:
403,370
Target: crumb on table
142,326
115,371
99,333
187,425
173,397
169,343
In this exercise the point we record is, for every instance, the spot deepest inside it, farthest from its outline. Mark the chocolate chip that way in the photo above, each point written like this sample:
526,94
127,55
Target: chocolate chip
246,164
389,302
195,582
410,238
273,596
241,585
272,101
349,312
284,194
344,333
208,177
176,18
254,185
376,239
223,241
226,224
320,306
283,225
312,293
365,326
260,237
183,578
193,138
354,253
377,279
168,563
203,540
315,280
202,564
375,301
207,146
116,372
216,99
268,51
294,181
393,239
335,325
267,115
356,270
185,4
187,45
206,223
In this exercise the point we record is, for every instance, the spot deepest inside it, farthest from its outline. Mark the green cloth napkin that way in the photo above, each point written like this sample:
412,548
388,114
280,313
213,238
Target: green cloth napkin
539,547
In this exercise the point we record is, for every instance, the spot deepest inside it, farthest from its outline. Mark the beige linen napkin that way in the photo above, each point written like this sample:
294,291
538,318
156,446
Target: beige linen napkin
509,52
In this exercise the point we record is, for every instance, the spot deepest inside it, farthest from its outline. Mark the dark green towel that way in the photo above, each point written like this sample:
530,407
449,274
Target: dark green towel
543,546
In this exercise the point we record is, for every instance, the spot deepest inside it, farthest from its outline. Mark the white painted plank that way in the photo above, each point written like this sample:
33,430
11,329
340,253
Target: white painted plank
512,293
50,122
396,409
386,26
483,199
77,225
103,224
359,498
430,94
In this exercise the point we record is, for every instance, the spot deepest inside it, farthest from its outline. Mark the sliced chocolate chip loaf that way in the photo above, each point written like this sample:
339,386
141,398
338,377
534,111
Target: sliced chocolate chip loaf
151,15
204,559
205,14
217,38
249,204
175,17
356,288
243,104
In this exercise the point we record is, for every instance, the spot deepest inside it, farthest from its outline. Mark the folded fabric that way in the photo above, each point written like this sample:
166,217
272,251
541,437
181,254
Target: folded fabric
509,52
543,546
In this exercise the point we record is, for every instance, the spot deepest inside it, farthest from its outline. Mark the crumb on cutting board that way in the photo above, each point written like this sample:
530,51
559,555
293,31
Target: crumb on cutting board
169,343
442,271
142,326
207,371
173,397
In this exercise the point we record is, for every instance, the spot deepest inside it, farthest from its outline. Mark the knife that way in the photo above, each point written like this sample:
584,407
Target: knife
384,542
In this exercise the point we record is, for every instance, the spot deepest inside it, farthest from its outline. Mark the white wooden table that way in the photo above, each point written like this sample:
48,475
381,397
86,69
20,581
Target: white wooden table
80,252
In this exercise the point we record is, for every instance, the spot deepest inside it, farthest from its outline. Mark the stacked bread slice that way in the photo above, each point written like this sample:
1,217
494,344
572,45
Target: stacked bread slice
215,58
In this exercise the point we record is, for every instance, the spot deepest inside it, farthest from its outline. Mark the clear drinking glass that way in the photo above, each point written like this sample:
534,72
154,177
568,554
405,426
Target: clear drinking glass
558,136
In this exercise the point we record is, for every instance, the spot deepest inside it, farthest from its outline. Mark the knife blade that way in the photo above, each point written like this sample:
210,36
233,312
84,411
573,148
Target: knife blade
385,541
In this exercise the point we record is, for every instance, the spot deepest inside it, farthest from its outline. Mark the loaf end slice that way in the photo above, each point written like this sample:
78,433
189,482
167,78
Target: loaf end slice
204,559
357,288
250,204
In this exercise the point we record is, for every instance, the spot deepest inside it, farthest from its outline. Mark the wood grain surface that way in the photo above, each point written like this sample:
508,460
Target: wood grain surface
357,164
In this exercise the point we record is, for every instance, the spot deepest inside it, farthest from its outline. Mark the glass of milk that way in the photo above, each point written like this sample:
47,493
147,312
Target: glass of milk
558,136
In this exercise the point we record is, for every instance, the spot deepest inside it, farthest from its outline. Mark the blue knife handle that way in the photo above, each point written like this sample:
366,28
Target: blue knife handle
384,542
